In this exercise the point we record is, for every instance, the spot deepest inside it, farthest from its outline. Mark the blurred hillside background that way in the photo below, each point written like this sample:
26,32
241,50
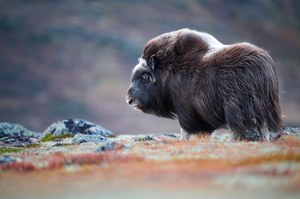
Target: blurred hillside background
73,58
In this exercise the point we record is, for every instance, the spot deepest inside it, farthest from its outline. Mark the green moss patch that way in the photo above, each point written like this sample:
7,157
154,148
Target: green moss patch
51,137
10,150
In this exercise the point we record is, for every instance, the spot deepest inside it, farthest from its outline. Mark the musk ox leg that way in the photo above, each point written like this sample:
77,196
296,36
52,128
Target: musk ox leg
235,135
261,135
185,136
265,134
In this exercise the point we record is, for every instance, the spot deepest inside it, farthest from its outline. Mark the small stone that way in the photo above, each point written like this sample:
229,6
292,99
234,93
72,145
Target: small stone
34,141
58,144
252,136
81,138
171,135
6,159
147,137
109,146
255,135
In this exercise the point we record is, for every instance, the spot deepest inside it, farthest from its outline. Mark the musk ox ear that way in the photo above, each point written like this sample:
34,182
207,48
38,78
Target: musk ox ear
153,62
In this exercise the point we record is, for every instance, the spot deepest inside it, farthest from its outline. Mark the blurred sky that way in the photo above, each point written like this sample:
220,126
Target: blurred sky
73,58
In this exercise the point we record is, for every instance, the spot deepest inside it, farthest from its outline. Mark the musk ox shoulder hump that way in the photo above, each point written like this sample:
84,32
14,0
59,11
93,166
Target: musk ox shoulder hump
212,43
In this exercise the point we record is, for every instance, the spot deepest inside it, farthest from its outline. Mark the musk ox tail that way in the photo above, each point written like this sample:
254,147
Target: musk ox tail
250,94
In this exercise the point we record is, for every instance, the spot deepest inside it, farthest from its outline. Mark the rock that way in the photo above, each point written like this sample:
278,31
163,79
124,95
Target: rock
33,140
156,137
147,137
171,135
71,127
255,136
16,135
59,144
251,136
81,138
294,131
6,159
109,146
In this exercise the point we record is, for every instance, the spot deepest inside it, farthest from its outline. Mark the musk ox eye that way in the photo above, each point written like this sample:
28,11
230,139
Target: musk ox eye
145,75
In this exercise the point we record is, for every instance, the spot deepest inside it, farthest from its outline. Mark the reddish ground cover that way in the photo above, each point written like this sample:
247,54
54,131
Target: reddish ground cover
156,168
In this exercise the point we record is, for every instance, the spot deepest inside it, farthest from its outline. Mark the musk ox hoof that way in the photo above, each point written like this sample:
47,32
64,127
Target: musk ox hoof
223,135
184,136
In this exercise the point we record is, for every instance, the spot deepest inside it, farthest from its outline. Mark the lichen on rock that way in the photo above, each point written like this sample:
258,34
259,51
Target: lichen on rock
109,146
71,127
81,138
147,137
15,135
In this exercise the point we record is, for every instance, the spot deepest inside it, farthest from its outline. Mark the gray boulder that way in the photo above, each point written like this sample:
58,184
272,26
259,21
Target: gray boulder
81,138
71,127
16,135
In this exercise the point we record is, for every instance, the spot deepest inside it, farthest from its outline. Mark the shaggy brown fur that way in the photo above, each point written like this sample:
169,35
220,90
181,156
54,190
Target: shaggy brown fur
206,84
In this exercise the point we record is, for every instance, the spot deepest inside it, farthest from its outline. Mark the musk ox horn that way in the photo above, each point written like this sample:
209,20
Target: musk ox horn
152,66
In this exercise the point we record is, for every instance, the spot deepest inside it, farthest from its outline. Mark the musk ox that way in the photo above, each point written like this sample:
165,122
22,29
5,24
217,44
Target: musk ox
207,85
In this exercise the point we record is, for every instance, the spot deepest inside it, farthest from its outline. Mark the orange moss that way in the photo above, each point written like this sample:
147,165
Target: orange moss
18,166
55,161
196,167
196,157
289,141
59,160
273,157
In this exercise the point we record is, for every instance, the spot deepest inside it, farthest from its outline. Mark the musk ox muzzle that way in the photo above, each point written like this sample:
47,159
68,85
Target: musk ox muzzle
130,99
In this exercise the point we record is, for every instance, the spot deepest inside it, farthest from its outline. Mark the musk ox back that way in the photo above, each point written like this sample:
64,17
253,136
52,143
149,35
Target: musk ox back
207,85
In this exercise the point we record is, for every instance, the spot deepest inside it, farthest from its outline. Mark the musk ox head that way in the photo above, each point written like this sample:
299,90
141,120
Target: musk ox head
147,91
143,85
